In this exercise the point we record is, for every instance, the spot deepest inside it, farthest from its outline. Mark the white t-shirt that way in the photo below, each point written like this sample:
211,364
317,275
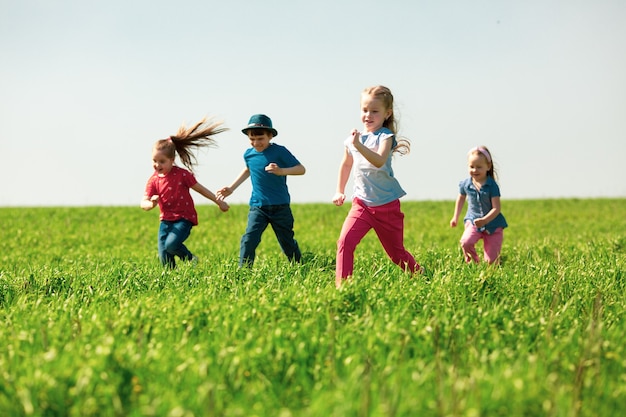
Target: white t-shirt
374,186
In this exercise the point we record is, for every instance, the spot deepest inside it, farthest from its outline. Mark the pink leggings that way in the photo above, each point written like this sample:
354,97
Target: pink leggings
388,223
492,243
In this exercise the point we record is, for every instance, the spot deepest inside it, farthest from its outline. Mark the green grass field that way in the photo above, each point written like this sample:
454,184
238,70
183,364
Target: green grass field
92,324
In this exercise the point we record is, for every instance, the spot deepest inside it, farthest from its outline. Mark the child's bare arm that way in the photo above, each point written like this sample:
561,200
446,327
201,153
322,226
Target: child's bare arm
226,191
377,158
209,194
344,173
458,206
492,214
148,203
294,170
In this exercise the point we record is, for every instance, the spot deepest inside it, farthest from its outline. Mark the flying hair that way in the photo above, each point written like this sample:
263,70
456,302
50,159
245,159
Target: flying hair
382,93
199,135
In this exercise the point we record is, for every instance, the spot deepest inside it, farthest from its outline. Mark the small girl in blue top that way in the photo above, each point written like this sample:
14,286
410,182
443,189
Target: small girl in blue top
483,219
267,166
377,192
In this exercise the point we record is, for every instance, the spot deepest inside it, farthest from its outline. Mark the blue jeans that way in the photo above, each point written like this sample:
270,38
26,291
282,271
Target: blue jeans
171,238
281,219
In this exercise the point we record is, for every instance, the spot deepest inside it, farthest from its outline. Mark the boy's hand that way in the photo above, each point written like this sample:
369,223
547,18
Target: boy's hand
272,168
453,223
223,193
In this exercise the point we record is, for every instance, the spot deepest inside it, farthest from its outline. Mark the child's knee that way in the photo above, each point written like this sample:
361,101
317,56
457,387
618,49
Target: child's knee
170,247
492,258
467,245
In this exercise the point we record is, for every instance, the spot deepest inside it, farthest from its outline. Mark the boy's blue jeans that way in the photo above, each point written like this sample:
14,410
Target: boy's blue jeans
281,219
171,238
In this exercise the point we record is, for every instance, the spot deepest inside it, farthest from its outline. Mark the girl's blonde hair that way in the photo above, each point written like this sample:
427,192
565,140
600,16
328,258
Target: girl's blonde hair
197,136
485,153
382,93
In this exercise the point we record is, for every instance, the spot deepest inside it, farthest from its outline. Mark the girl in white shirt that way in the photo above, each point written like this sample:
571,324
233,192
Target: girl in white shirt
376,195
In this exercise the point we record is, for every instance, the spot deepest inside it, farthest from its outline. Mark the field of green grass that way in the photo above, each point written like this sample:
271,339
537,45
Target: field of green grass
93,325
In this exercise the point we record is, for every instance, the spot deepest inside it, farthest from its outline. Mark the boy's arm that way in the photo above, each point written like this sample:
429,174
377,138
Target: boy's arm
294,170
226,191
199,188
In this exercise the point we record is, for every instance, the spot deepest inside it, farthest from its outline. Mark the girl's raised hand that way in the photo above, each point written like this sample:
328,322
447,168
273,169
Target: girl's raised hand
356,136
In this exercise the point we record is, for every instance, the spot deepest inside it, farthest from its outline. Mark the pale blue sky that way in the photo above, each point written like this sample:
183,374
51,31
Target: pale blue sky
86,87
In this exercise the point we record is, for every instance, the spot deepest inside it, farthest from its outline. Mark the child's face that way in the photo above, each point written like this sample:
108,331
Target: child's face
373,113
162,164
478,166
259,139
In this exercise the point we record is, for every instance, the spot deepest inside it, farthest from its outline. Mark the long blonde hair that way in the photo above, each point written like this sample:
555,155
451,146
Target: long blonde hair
199,135
382,93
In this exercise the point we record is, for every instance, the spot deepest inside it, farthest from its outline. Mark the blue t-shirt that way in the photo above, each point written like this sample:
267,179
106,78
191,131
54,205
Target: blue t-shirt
269,189
479,202
374,186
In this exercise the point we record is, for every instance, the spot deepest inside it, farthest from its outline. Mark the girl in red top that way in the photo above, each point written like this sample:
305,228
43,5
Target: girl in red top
169,188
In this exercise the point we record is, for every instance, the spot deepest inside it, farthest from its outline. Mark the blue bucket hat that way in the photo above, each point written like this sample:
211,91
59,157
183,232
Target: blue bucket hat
260,121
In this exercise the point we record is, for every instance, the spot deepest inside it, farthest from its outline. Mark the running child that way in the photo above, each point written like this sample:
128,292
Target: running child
267,165
169,188
377,192
483,219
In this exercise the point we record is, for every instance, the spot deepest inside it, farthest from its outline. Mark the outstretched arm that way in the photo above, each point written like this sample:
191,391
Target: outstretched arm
226,191
209,194
344,173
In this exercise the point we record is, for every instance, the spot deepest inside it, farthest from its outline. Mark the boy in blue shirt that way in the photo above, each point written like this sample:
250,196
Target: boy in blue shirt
267,165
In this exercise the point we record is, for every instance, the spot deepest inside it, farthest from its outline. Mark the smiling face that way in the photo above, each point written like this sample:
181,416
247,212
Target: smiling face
373,113
161,162
259,139
478,167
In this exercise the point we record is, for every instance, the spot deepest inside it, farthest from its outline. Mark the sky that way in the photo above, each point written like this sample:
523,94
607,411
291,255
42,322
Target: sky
87,87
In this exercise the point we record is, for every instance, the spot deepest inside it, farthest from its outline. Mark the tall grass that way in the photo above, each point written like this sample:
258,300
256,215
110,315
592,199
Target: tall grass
94,326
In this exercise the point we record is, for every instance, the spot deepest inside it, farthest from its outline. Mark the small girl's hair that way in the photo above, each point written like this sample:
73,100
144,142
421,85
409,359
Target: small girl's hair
485,153
197,136
382,93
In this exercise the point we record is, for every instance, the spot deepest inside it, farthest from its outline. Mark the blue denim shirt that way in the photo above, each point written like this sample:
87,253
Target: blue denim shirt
479,202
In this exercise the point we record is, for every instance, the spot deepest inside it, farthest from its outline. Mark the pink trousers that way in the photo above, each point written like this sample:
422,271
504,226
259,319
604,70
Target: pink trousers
388,223
492,243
